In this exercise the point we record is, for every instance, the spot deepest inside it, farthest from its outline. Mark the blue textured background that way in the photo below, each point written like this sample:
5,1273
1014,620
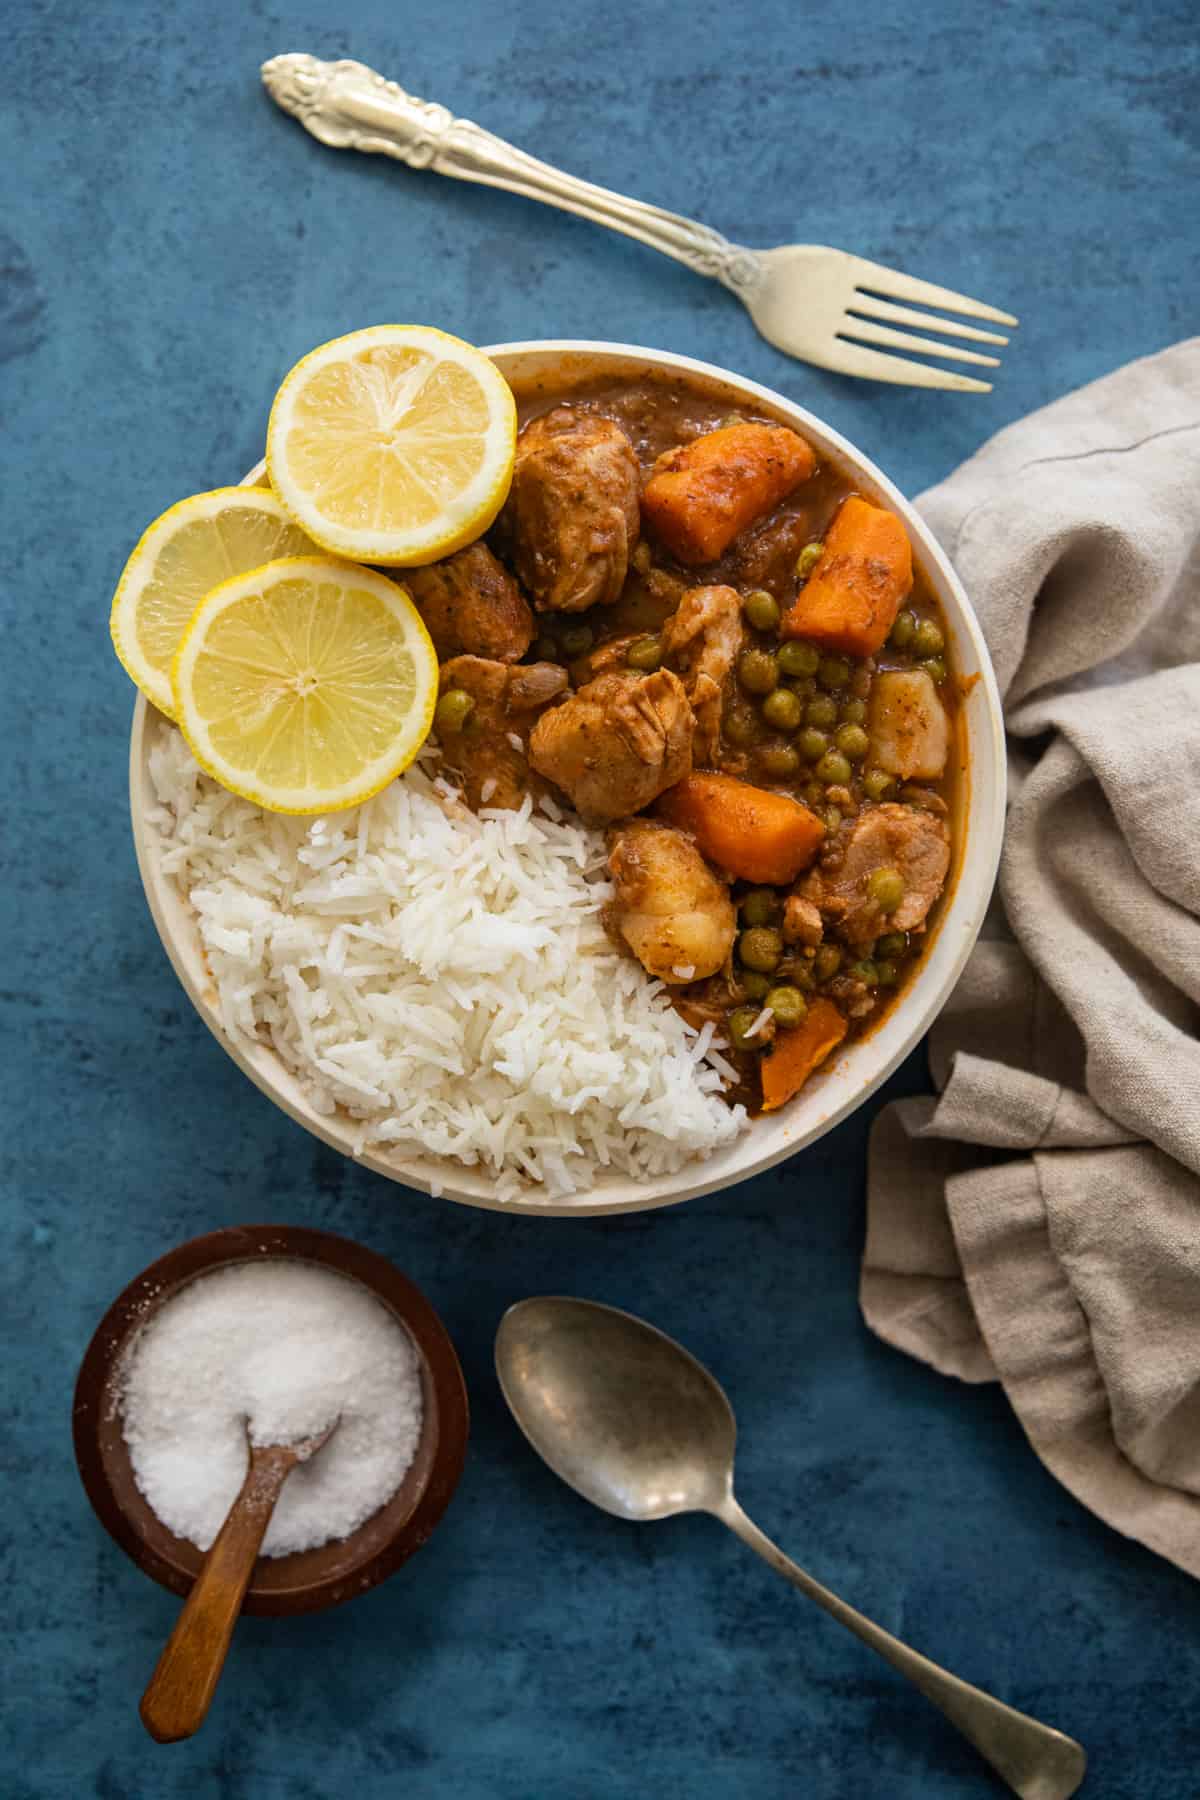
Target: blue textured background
169,244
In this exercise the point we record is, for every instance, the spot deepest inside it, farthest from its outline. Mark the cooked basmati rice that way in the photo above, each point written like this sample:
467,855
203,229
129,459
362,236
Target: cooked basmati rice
444,979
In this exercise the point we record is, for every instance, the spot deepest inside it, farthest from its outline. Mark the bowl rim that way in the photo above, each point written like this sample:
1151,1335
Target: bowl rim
974,875
237,1244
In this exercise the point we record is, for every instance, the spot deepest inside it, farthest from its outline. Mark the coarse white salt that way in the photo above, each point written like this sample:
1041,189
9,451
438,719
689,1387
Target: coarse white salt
276,1349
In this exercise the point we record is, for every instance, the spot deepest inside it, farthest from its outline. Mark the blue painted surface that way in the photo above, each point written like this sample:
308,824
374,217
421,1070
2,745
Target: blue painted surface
169,244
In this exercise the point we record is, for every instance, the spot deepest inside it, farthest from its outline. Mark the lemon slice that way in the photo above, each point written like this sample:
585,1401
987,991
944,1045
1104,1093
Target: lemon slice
394,444
184,554
306,685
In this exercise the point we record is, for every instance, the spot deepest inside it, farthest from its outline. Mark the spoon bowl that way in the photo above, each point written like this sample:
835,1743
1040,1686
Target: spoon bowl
637,1426
619,1410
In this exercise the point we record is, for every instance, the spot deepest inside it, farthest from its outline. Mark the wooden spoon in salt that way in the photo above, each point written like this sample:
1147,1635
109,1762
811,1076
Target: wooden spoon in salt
180,1692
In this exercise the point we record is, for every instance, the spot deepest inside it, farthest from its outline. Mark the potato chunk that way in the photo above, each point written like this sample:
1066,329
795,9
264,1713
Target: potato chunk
907,725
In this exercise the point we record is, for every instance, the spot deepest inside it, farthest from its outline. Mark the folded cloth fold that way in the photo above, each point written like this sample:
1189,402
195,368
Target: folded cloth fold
1039,1222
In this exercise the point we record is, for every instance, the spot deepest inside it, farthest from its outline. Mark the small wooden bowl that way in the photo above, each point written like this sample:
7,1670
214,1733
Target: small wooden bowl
310,1580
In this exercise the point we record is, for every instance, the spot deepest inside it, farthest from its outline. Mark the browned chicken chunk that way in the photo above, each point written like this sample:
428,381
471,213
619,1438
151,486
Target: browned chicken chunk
702,641
884,873
472,606
617,744
488,752
672,911
571,519
801,922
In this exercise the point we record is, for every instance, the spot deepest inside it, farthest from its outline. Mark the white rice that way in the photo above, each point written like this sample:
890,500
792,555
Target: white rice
444,979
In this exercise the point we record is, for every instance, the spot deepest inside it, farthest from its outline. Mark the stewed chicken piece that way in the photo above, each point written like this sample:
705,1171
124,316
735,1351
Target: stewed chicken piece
614,746
702,640
571,520
472,606
483,721
672,911
885,872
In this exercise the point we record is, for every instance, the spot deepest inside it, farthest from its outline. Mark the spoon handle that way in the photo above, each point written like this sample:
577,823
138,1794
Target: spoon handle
1037,1762
176,1701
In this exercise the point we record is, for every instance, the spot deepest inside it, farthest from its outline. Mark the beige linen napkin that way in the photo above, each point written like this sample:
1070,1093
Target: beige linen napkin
1039,1222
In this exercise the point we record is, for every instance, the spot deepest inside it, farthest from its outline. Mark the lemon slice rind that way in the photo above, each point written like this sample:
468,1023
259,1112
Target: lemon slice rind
133,632
377,442
259,686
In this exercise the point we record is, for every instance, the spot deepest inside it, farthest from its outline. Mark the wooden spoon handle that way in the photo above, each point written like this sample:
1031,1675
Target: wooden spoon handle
181,1688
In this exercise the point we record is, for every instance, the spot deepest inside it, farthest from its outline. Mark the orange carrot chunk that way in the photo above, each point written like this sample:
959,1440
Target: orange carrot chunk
701,495
748,832
798,1050
850,601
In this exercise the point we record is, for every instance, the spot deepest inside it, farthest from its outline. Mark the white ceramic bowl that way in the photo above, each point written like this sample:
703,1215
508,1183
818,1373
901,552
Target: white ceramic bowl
848,1079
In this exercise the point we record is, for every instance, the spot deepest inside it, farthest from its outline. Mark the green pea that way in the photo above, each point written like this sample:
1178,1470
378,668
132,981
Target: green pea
892,944
928,639
886,888
546,650
853,742
779,761
935,668
741,1020
757,671
808,559
741,727
833,769
762,609
754,985
827,962
834,672
454,709
803,686
788,1005
759,907
832,818
795,658
644,653
878,785
821,712
761,948
782,710
801,976
853,712
903,629
886,973
577,640
813,743
866,971
813,794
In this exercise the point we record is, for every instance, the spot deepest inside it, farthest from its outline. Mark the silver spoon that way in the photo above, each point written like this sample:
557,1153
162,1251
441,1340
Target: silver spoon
638,1427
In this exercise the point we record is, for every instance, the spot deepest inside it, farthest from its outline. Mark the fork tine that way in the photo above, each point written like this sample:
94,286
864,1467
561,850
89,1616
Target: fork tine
898,286
907,340
879,365
905,315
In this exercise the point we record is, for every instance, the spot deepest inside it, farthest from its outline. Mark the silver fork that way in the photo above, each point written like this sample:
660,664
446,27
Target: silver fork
821,305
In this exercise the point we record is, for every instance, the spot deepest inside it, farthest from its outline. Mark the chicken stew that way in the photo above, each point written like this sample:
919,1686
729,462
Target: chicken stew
700,636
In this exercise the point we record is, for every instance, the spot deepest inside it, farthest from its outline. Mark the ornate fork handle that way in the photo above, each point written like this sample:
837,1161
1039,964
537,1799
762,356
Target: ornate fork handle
350,107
